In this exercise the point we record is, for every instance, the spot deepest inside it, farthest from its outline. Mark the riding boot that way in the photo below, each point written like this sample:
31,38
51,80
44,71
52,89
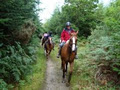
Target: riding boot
60,45
76,57
59,53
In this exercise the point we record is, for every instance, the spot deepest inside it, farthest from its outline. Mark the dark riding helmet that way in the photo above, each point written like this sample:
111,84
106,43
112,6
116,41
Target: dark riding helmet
68,24
50,32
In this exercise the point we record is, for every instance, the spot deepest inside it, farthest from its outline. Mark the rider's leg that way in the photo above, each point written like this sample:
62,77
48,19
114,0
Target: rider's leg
59,52
44,39
60,46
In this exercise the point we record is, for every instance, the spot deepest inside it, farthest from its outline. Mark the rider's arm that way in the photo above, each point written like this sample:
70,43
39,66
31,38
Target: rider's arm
72,31
63,35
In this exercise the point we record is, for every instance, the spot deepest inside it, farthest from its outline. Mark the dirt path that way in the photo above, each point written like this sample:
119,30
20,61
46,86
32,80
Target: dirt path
54,77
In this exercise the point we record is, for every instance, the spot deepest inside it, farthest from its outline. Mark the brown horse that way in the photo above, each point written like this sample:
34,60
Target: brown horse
68,53
48,46
43,40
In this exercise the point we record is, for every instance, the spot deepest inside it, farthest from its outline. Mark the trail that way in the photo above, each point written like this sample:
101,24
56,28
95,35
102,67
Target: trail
54,76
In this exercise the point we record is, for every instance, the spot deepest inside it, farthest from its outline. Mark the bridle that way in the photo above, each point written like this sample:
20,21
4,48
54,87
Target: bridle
73,45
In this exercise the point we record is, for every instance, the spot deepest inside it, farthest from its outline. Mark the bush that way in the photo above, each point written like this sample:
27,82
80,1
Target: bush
3,85
15,64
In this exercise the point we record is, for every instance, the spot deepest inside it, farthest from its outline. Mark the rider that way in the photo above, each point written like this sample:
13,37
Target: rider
46,36
49,34
65,35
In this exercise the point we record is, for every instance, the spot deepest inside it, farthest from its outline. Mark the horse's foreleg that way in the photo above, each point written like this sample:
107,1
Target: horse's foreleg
70,73
66,66
63,67
49,52
45,51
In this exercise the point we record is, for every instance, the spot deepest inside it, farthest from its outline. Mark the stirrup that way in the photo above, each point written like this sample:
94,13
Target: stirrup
58,56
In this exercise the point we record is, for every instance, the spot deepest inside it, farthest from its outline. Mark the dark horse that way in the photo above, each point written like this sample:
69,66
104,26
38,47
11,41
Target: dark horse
48,46
68,53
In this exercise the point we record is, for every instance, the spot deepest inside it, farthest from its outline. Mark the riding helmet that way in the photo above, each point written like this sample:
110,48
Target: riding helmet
68,23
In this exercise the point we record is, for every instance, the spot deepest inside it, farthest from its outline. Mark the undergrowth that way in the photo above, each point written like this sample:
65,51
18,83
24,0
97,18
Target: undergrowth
35,81
83,77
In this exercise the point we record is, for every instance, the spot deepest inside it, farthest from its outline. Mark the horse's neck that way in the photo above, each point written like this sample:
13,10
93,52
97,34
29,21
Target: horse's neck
49,42
68,46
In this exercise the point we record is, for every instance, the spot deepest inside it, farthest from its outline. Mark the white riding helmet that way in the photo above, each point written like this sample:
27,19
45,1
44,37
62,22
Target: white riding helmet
68,24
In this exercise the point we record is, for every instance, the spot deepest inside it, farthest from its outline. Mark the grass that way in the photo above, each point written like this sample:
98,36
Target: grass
83,78
35,81
54,54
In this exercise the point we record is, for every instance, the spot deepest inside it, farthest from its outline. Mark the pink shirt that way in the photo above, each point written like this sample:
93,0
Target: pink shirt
45,34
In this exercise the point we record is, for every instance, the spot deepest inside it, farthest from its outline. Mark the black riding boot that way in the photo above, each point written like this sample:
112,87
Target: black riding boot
59,53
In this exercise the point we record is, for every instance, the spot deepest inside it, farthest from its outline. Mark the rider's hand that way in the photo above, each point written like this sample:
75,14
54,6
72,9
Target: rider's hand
63,40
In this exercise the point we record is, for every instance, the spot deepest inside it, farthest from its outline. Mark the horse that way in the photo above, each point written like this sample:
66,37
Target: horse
68,52
48,46
43,40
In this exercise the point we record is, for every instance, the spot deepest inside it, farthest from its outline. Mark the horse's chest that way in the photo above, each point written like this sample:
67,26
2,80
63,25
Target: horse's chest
72,56
68,57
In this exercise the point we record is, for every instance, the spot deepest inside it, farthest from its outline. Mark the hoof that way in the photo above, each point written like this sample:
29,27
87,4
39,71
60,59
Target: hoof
63,81
66,71
67,84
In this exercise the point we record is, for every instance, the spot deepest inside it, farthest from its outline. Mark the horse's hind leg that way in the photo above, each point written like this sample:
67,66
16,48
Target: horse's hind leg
47,53
70,73
63,67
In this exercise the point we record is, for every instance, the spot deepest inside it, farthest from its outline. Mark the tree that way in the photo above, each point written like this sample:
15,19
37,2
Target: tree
81,13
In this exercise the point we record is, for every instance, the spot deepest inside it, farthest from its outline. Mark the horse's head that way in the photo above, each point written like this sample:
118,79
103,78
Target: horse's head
73,40
50,40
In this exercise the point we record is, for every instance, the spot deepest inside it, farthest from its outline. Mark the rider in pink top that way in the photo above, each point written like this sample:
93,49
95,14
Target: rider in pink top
46,36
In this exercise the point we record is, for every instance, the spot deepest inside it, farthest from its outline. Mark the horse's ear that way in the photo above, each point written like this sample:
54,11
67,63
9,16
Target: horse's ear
70,34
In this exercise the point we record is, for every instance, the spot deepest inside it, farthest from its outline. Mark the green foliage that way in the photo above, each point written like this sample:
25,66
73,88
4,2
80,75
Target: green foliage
15,64
38,74
105,39
13,16
15,13
54,23
56,39
101,58
81,13
18,40
3,85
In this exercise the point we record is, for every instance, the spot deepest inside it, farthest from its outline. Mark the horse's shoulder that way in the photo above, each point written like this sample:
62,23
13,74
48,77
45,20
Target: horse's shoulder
66,44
